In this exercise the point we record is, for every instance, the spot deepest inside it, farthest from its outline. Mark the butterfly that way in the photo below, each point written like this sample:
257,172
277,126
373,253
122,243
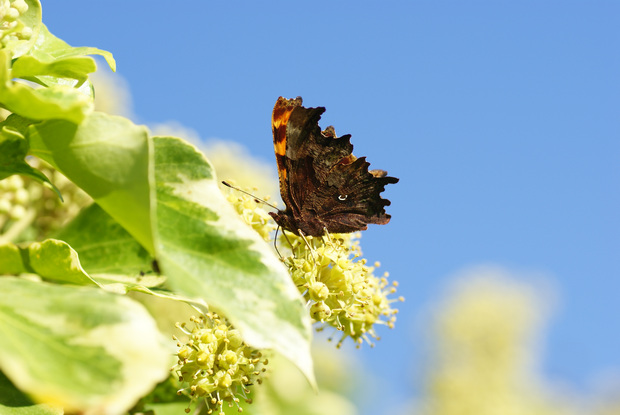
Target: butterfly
323,185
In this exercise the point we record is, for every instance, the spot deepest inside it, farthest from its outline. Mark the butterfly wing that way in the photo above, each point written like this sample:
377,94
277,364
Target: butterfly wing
351,199
294,171
323,185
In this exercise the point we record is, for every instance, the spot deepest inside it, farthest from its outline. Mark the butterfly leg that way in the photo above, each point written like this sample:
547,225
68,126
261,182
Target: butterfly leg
308,245
275,242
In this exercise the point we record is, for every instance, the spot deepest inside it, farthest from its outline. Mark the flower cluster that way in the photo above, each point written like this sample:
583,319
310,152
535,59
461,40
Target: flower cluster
29,210
215,365
340,288
14,199
251,211
11,27
486,331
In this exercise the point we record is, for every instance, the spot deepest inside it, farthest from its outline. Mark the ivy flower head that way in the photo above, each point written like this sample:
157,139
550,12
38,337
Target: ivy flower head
251,211
215,365
30,210
340,288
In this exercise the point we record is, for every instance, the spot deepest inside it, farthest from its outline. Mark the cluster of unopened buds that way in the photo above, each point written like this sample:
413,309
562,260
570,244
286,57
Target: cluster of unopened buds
14,199
215,365
252,212
30,210
11,26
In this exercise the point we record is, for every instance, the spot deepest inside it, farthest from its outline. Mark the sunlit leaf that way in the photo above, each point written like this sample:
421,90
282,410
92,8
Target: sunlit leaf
14,402
59,101
105,247
11,261
48,47
51,260
78,347
109,254
108,157
204,248
208,253
77,67
55,260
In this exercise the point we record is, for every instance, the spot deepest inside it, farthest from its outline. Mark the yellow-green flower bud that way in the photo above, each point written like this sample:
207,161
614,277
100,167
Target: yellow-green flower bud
20,6
320,311
184,352
318,291
228,358
234,339
207,336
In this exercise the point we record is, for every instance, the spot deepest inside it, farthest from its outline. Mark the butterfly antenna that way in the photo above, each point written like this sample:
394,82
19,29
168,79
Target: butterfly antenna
258,199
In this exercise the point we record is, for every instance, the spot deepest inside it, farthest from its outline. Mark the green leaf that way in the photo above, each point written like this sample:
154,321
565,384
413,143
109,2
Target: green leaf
85,89
48,47
109,254
13,149
105,247
108,157
55,260
208,253
73,67
58,101
11,262
95,352
52,260
201,243
14,402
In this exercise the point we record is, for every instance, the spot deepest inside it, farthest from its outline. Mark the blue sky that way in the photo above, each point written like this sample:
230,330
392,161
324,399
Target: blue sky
501,120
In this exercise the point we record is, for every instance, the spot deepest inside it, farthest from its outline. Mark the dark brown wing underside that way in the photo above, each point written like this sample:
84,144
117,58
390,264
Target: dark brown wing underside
323,185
